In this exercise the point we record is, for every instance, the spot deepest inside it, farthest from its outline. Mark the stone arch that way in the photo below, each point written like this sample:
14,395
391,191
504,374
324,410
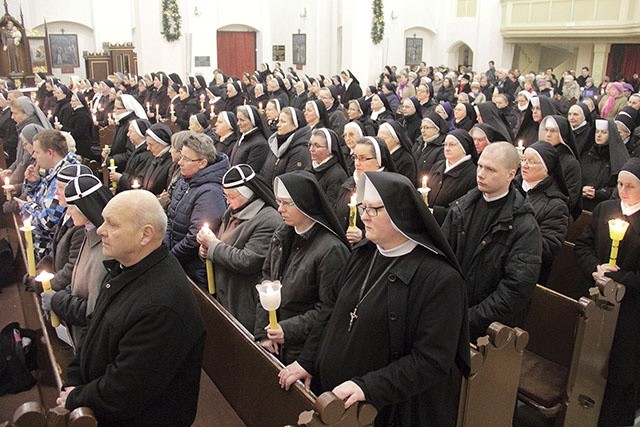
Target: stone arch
460,53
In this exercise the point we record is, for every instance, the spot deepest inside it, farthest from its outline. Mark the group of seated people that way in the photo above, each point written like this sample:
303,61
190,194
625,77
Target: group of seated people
399,227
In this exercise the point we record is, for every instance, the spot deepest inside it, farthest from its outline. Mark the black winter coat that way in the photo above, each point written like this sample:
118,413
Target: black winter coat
504,267
449,186
330,176
307,266
121,148
138,163
596,172
252,150
80,125
156,173
405,163
291,155
144,344
427,156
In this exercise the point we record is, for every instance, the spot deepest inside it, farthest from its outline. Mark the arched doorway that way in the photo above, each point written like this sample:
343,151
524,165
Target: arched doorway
236,49
460,54
419,45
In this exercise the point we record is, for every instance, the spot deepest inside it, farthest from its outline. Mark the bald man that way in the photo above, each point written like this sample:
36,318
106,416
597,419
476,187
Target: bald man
494,234
140,361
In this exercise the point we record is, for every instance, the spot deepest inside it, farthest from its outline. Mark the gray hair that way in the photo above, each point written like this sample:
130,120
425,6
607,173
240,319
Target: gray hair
202,145
178,139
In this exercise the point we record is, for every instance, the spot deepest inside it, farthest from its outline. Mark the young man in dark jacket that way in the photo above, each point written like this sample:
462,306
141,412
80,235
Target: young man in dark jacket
494,234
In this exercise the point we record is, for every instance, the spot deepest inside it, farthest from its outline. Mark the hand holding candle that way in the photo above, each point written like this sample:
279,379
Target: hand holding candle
424,190
148,107
7,187
617,230
45,278
520,148
28,236
112,168
211,282
269,293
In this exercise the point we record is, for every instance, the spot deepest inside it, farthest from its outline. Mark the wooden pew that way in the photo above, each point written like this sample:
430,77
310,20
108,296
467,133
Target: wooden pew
33,414
488,396
575,228
565,276
564,371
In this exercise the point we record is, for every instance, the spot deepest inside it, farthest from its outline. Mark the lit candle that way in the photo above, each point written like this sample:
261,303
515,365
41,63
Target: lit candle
45,278
352,212
211,281
269,293
520,148
95,119
202,101
112,168
49,115
424,190
260,106
212,113
617,230
172,110
135,185
55,120
148,108
8,187
157,111
28,236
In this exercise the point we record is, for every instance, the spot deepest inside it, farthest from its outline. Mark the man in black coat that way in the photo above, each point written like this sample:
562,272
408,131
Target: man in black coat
8,132
140,361
494,234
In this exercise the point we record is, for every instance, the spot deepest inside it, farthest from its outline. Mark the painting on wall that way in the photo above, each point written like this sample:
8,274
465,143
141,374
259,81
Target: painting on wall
413,51
299,49
38,54
278,52
64,50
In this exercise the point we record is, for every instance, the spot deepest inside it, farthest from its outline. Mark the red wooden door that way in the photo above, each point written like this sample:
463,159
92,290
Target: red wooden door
236,52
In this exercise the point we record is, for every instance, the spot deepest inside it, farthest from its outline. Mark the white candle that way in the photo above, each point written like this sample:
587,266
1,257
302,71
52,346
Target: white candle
135,185
45,278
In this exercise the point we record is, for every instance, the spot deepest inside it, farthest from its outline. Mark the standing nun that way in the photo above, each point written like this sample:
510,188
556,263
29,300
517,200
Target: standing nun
399,326
226,132
397,140
307,254
352,89
252,147
327,162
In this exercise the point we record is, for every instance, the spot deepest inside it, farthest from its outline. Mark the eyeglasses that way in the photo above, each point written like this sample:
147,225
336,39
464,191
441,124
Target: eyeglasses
230,196
371,211
285,203
450,144
551,130
428,127
360,158
186,159
316,146
529,162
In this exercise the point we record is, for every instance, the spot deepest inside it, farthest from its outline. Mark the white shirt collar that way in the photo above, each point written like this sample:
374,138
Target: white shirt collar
402,249
526,186
448,166
629,210
493,199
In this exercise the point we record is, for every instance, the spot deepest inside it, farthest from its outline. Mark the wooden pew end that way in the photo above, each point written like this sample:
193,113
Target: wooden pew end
82,417
29,414
329,411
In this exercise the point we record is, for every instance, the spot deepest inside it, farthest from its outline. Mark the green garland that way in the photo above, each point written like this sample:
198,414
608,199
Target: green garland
377,27
171,20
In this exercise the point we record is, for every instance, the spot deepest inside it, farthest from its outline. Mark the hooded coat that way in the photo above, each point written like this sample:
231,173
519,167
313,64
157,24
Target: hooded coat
194,202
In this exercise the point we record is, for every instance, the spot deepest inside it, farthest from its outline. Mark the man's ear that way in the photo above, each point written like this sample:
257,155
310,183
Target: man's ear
148,233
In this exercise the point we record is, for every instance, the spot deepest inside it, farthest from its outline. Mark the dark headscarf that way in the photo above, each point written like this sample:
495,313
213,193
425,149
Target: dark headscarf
463,137
438,121
628,117
381,151
363,106
67,92
412,218
309,198
566,134
402,135
71,172
416,104
297,117
244,175
350,74
333,143
491,133
551,159
175,78
141,126
230,119
493,116
255,118
81,99
89,195
618,153
323,116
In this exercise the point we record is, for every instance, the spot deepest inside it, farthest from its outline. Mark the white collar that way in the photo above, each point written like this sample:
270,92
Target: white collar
301,232
316,164
629,210
402,249
584,122
448,166
395,149
526,186
493,199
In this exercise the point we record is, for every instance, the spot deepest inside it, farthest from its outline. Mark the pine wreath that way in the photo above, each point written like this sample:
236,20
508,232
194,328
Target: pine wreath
377,26
171,20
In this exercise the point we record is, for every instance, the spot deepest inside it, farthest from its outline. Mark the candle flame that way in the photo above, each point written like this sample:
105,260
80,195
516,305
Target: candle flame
44,275
206,225
520,144
424,181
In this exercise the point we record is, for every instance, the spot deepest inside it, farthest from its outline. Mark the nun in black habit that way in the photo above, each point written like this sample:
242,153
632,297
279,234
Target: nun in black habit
352,89
464,116
399,326
592,255
556,131
306,254
484,134
226,133
582,127
541,106
252,147
428,149
488,112
412,118
327,162
601,163
397,140
542,178
358,110
454,176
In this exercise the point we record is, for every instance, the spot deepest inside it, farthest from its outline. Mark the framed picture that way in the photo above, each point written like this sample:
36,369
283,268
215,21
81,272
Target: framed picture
278,52
38,54
299,49
413,51
64,50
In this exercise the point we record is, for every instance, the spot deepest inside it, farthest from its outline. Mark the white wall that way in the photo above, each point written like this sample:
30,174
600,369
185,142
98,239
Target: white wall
139,22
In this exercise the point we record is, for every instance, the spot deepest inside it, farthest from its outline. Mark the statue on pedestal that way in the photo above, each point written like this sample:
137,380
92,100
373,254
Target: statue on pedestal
11,38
